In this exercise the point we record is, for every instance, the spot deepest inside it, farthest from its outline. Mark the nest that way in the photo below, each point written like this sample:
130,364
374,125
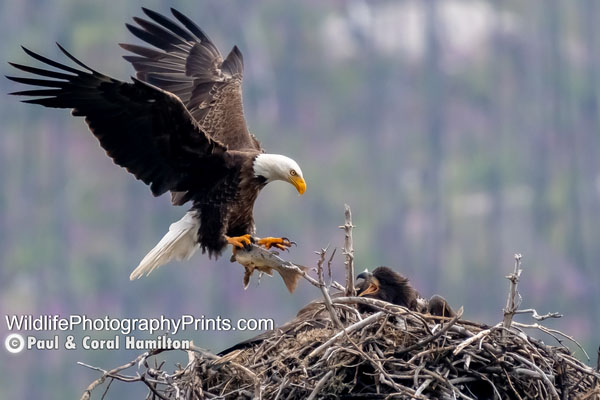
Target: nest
333,351
390,353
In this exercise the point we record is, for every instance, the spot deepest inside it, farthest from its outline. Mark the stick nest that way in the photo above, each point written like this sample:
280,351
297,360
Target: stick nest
391,353
333,351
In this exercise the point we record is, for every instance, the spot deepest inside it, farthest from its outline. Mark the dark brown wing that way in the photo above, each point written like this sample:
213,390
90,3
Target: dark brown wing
142,128
189,65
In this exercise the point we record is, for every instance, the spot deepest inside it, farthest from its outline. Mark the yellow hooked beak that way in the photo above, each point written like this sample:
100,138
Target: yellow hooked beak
299,183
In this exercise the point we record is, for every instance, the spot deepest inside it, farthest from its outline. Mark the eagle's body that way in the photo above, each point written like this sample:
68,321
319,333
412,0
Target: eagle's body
178,127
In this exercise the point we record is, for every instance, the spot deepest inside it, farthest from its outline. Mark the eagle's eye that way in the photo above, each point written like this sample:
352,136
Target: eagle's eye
293,172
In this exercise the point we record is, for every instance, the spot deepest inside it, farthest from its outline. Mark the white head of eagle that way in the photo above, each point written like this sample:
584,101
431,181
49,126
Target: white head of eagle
276,167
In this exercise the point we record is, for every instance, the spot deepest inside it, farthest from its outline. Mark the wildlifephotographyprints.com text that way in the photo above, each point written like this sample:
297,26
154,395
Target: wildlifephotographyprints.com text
42,332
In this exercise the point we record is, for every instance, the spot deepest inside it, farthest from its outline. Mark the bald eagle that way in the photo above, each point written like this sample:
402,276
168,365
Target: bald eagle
178,127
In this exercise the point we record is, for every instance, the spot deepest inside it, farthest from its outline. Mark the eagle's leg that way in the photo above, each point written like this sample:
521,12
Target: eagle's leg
281,243
239,241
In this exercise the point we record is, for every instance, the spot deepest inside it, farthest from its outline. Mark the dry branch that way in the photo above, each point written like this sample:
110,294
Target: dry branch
514,298
324,289
348,251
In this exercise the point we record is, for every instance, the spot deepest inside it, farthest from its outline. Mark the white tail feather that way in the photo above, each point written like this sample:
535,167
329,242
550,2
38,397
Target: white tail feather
180,243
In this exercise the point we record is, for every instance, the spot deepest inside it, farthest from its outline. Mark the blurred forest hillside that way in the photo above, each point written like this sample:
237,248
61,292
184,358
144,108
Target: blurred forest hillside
460,132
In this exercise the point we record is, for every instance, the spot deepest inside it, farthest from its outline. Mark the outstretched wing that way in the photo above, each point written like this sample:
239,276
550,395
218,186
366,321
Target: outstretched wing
142,128
190,66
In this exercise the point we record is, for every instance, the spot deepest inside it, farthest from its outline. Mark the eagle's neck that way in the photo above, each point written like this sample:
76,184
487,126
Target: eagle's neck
271,167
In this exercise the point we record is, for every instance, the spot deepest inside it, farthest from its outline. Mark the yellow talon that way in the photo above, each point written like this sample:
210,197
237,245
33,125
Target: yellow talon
280,243
239,241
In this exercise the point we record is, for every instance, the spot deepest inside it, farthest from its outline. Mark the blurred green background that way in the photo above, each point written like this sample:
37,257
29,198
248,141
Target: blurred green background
460,132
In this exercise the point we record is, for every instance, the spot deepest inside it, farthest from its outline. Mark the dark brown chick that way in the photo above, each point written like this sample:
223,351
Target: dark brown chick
387,285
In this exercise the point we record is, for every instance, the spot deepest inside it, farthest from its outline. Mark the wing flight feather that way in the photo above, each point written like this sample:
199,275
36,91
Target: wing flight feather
189,65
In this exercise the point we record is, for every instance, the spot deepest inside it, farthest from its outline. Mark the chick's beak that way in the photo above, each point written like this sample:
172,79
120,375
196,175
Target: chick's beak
299,183
372,289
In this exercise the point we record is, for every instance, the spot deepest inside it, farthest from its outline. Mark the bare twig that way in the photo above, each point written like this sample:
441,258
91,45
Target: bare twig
107,388
423,386
434,336
537,369
349,251
320,385
555,334
513,301
153,388
325,291
353,327
538,317
113,373
474,338
329,274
